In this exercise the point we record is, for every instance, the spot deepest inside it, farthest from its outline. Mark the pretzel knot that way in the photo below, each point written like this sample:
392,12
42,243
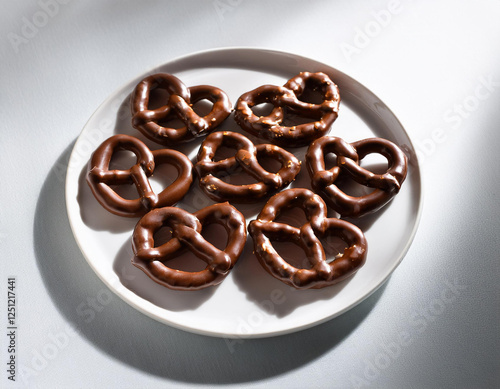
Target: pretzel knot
287,99
246,158
323,272
349,155
179,105
186,233
100,177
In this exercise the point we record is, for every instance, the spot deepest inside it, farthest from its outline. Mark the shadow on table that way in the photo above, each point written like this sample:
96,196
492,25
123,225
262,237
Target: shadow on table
131,337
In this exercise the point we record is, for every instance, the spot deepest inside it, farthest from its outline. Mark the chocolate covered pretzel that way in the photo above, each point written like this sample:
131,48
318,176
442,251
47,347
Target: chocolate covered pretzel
287,99
264,230
179,105
246,159
349,155
187,234
101,179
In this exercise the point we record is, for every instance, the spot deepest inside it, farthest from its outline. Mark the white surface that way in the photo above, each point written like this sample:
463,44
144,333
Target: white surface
245,304
433,324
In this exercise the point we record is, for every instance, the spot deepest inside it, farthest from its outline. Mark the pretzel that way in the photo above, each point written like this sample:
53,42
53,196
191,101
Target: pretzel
349,155
180,102
271,127
186,233
247,158
264,230
100,177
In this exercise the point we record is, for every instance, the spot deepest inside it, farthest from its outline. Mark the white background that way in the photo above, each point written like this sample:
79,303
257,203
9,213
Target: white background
434,324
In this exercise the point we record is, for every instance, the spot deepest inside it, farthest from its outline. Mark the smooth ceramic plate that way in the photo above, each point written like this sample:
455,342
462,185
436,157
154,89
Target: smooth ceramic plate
249,303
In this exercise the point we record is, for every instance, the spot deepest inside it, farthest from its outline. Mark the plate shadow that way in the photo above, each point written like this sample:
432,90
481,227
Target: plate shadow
138,341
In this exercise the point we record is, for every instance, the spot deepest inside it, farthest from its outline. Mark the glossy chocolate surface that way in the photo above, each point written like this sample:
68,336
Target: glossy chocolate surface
246,159
101,179
186,234
349,155
178,106
287,99
264,230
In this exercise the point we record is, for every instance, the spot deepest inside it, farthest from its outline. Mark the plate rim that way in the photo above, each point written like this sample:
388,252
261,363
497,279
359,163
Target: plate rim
267,52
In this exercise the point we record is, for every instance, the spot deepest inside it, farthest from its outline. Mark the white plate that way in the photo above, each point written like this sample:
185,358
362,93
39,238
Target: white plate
249,303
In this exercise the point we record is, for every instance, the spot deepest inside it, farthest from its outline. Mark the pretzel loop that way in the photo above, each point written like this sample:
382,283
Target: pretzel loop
179,105
171,84
322,273
349,155
287,98
246,158
101,179
187,233
319,81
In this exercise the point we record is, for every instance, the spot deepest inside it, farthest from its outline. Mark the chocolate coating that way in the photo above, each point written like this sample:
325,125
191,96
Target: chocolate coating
245,158
271,127
264,230
180,102
349,155
100,177
186,233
